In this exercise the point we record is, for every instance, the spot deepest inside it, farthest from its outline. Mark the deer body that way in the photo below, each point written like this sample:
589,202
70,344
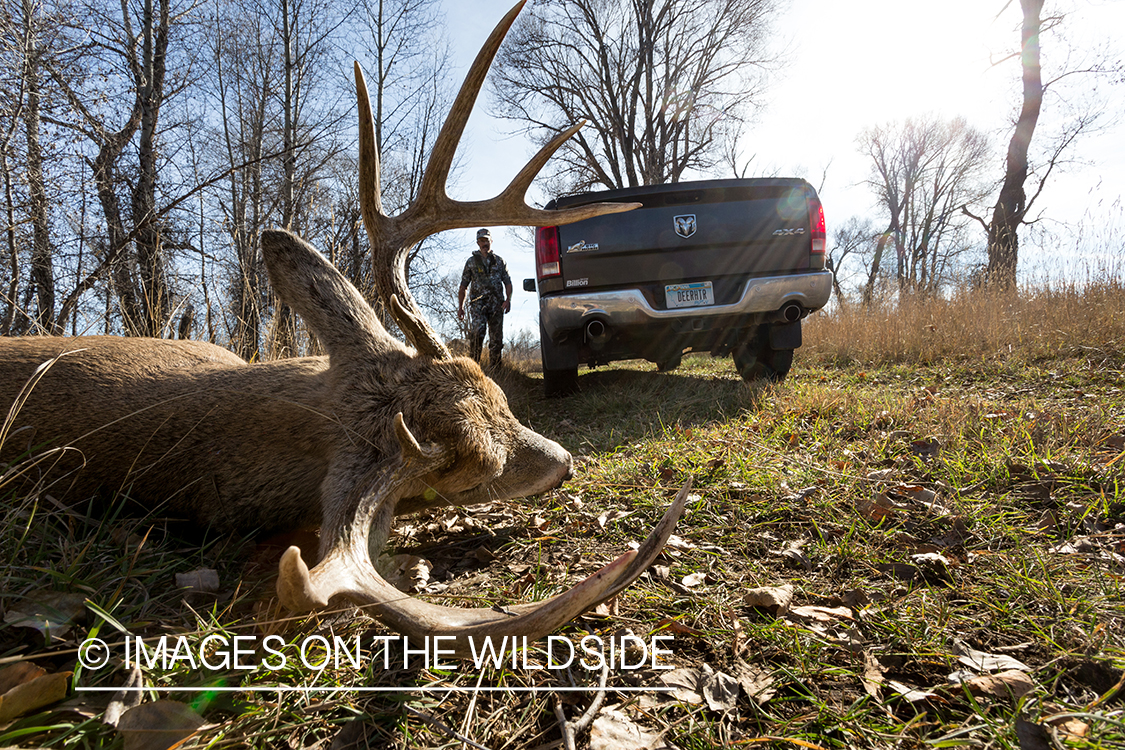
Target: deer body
187,428
197,433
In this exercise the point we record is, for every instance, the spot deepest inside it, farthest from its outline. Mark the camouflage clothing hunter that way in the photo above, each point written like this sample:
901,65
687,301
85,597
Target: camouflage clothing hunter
490,294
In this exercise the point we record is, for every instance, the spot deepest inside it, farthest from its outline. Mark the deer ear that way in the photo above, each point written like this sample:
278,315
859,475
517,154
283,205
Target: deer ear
333,308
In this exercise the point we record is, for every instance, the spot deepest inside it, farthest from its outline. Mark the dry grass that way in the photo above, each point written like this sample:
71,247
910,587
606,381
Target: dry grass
1052,320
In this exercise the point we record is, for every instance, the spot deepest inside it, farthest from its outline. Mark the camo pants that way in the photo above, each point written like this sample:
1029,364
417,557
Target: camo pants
491,317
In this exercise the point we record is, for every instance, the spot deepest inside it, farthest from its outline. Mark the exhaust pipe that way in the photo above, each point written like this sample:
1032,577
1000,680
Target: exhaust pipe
597,332
789,313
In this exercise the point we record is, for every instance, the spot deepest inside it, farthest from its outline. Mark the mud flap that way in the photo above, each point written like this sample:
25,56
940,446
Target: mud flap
785,336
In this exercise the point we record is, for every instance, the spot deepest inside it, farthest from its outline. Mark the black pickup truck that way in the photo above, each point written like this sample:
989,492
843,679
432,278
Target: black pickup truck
724,266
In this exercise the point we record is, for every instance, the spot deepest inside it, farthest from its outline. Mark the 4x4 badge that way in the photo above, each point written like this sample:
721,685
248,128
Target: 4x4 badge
685,225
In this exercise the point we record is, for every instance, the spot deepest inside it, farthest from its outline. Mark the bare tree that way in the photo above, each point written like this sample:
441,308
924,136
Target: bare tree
1079,115
665,85
310,118
924,171
1012,204
854,237
115,82
244,78
13,90
27,32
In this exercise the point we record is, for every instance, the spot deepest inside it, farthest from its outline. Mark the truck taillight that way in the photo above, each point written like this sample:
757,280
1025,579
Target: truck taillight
816,226
547,252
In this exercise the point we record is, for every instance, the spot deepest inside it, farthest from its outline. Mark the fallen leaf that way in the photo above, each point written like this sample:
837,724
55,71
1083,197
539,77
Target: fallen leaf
406,573
613,730
923,496
773,599
932,565
19,673
613,515
819,614
983,662
872,676
693,579
607,609
125,699
720,691
484,555
50,612
879,507
33,693
158,726
684,682
1032,736
914,695
793,555
678,544
1007,684
755,682
1071,727
738,634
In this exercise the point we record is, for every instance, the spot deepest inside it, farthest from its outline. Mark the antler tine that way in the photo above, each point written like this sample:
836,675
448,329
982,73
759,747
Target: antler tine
433,210
511,205
370,171
432,190
420,334
388,247
346,570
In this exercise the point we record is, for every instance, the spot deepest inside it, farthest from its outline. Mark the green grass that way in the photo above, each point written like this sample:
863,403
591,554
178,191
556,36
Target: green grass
1022,457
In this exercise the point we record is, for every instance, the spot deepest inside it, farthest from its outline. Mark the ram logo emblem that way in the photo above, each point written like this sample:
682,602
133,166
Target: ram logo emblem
685,225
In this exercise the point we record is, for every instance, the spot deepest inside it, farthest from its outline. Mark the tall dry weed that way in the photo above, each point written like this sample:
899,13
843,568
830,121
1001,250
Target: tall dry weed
1051,319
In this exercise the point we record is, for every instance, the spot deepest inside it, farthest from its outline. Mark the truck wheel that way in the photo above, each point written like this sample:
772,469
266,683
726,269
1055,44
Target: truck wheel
671,363
755,360
560,382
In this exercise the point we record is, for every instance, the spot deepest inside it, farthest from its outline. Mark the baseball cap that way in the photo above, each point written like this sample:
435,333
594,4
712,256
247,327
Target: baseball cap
484,233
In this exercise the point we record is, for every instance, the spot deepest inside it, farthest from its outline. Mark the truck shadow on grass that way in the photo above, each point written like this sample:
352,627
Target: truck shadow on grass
621,405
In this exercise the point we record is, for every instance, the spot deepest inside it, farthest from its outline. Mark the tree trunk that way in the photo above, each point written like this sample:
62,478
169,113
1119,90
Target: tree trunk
1011,205
284,342
151,261
42,267
869,288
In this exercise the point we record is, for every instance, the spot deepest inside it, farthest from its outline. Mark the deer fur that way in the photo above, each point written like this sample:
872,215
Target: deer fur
266,446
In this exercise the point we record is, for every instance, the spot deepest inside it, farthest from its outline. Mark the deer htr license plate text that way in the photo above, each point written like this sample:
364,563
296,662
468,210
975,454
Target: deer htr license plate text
695,294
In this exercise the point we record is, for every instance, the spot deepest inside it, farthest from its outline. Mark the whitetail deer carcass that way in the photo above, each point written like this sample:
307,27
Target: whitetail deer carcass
344,441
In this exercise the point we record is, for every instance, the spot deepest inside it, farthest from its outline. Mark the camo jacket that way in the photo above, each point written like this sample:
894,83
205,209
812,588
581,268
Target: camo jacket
487,280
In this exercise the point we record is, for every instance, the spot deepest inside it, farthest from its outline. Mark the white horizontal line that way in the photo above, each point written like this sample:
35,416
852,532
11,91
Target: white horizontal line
407,689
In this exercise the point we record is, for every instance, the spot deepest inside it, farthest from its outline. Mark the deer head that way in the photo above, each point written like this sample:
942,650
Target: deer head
455,440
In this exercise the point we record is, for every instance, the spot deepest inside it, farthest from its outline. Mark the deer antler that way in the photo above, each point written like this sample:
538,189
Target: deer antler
347,569
433,210
358,530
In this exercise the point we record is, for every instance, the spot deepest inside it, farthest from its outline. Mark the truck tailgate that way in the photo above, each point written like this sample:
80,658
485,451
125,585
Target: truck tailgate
698,234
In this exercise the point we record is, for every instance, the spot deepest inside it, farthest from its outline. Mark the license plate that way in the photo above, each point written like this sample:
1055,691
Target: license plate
696,294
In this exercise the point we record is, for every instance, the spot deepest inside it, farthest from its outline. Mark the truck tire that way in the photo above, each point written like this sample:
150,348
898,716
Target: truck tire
669,363
755,360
